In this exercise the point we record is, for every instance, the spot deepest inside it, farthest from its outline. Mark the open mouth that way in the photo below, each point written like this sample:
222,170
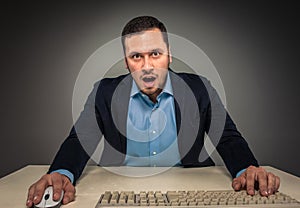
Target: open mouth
149,81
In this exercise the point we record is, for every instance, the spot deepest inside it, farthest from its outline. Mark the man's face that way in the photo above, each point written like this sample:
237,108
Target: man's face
147,58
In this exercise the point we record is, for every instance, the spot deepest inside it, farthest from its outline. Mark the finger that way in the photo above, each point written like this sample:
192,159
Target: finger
29,201
57,183
40,187
271,183
250,177
277,183
244,181
262,182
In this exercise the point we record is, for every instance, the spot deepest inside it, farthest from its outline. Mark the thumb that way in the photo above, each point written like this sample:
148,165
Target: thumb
69,192
239,183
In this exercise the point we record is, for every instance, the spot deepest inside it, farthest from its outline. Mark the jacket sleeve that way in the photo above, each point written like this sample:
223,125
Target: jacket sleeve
82,141
223,133
234,149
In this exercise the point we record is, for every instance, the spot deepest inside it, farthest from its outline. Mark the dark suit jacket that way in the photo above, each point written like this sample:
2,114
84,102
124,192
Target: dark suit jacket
198,110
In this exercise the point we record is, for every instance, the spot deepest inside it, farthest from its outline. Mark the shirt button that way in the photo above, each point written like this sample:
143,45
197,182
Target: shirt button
154,153
153,131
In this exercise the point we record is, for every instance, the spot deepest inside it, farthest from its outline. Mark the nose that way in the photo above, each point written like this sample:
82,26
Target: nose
147,64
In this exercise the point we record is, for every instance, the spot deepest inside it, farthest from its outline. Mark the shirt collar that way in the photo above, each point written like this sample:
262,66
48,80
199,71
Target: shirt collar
167,89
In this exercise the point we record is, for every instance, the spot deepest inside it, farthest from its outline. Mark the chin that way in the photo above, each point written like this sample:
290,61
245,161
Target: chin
151,91
148,92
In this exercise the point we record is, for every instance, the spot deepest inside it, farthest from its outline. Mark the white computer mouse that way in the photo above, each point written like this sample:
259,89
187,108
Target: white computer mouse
47,200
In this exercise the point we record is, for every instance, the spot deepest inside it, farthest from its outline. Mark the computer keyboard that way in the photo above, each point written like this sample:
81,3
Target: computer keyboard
227,198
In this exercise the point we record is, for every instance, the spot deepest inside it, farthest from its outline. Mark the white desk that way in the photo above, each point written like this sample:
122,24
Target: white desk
96,180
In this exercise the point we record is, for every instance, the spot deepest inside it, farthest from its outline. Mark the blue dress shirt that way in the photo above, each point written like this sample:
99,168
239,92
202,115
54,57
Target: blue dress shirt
151,129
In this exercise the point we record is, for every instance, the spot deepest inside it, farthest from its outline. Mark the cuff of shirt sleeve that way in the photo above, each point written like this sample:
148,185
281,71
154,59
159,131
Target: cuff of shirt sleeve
66,173
240,172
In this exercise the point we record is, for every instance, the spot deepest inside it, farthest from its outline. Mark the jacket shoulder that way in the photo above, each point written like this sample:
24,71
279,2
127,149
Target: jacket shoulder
191,78
197,83
109,82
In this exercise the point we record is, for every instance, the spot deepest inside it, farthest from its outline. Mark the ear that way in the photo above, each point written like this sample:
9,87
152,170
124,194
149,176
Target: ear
170,55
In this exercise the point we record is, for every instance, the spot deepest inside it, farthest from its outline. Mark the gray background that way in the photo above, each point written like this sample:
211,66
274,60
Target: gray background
254,46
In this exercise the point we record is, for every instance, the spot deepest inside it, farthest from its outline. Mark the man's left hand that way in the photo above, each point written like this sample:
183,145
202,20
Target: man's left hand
267,182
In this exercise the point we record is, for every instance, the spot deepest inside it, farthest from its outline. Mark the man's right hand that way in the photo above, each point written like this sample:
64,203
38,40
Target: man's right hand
58,181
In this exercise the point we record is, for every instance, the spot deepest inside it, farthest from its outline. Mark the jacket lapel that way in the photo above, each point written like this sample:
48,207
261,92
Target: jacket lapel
119,108
186,112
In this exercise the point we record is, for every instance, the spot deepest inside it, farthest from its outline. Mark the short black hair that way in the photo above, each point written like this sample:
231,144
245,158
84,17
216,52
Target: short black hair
143,23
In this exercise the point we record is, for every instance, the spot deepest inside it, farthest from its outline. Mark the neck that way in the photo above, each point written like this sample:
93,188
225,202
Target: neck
154,95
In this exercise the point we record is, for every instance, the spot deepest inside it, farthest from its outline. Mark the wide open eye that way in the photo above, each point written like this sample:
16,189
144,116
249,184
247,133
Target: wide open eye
136,56
155,53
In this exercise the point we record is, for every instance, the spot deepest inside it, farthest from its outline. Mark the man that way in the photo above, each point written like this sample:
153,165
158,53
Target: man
150,117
